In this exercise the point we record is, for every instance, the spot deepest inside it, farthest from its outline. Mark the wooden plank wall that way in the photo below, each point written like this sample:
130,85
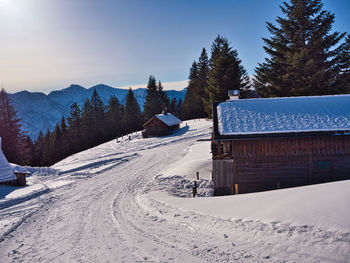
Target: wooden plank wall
20,181
265,164
295,146
156,127
223,177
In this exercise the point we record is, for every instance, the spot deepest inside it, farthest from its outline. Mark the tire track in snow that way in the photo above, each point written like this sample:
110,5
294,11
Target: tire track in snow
124,202
162,250
178,239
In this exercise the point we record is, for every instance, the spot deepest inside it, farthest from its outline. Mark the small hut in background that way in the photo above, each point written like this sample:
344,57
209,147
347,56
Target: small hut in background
271,143
6,174
21,173
11,174
160,125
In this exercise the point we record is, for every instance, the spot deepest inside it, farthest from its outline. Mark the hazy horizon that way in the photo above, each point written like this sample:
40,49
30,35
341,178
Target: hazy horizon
172,85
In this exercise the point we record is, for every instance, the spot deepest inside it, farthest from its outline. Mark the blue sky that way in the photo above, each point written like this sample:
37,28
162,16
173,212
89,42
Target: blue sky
49,44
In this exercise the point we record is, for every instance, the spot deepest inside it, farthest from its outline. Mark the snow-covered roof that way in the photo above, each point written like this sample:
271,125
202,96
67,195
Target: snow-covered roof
18,169
6,173
284,115
169,119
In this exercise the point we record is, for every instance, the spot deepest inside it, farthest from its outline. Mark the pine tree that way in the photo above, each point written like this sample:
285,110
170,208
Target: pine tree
163,97
196,96
202,84
88,125
114,118
178,109
226,73
123,128
64,130
39,149
28,151
172,106
74,131
47,155
98,116
304,56
133,115
153,104
56,145
342,81
10,130
190,97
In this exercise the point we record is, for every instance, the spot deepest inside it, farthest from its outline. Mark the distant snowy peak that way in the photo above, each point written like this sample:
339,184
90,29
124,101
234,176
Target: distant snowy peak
40,112
102,87
72,89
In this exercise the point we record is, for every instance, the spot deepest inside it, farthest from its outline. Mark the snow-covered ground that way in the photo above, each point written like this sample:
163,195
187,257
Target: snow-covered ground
131,202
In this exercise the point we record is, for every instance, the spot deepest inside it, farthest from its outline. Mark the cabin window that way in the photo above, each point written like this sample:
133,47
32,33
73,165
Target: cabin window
323,165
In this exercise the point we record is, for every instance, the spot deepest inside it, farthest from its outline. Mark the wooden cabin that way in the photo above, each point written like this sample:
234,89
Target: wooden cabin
272,143
11,174
160,125
21,173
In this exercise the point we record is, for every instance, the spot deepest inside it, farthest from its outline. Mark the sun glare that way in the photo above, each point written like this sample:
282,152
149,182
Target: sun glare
4,3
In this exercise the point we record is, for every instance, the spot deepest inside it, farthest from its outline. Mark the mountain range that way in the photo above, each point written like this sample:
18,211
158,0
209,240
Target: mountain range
40,112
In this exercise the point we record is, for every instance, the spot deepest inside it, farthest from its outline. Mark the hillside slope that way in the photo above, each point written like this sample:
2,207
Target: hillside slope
120,202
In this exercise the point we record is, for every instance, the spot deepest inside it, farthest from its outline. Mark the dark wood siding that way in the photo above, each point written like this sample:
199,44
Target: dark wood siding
270,163
223,177
20,181
298,146
156,127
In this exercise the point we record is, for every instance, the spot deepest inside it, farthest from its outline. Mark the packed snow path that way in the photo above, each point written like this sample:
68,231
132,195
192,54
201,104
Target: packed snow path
107,214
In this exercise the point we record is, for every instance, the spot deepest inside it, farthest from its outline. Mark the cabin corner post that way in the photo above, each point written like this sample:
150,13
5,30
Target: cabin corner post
235,178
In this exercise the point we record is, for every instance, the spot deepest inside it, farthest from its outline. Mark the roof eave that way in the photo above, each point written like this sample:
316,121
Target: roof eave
149,121
218,137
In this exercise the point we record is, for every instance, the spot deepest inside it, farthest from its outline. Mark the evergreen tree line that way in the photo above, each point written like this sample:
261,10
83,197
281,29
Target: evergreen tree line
95,123
84,128
305,58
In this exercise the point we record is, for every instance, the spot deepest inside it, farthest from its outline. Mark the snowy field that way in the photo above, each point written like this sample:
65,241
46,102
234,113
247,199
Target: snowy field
131,202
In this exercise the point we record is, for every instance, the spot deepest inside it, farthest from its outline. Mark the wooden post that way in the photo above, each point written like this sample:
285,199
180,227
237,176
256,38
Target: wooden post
235,177
236,189
194,189
197,175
